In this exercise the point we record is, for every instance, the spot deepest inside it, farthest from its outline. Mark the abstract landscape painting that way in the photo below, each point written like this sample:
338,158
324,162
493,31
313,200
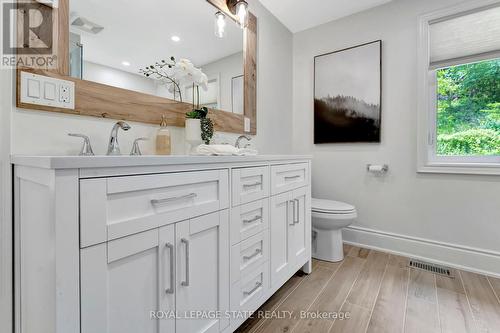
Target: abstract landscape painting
347,95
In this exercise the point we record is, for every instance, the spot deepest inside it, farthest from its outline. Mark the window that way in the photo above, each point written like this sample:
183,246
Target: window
459,98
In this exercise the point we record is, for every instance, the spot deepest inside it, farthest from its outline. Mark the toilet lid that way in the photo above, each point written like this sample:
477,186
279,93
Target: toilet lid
330,206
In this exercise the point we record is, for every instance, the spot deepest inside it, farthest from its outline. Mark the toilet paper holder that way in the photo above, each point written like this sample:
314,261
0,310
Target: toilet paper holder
377,168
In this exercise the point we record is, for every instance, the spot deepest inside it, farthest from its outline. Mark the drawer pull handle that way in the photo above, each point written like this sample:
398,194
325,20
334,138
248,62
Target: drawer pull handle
252,184
293,203
258,217
186,282
254,289
297,206
156,202
292,177
257,252
170,290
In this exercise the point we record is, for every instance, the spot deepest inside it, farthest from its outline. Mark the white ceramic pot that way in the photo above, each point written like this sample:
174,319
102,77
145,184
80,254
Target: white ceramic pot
193,134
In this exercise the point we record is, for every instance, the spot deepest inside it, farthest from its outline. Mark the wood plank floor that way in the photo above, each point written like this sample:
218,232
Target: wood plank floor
371,291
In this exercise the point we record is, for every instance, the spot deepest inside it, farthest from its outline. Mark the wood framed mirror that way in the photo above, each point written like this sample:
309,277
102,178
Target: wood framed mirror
235,102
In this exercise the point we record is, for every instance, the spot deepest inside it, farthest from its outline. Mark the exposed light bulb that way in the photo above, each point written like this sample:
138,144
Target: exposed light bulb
220,25
175,38
241,12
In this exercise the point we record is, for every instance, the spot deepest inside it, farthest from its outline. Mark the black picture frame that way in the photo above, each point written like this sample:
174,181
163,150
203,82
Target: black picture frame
340,118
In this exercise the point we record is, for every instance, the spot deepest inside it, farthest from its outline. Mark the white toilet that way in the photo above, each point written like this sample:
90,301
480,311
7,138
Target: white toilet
328,219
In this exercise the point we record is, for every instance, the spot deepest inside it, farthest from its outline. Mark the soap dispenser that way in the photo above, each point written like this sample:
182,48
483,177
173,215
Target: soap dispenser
163,138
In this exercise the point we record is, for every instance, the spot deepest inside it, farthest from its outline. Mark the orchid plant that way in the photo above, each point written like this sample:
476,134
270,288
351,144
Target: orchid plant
176,74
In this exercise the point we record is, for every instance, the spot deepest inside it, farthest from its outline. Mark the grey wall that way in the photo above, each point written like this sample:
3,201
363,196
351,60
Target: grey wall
461,210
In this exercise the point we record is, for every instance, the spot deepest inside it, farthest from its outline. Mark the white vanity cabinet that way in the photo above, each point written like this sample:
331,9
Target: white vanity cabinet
129,282
155,244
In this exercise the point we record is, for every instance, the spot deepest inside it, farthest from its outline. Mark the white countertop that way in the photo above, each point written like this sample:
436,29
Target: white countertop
83,162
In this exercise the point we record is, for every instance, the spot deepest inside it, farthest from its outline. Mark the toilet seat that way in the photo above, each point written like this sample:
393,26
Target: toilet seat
331,207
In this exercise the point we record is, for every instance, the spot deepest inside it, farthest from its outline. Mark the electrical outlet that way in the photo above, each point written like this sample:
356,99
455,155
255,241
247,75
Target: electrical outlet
64,94
47,91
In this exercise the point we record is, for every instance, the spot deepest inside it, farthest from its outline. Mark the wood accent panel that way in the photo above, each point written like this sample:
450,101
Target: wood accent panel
250,71
222,6
62,18
103,101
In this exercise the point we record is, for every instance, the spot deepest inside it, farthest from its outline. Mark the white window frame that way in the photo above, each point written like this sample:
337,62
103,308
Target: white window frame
428,161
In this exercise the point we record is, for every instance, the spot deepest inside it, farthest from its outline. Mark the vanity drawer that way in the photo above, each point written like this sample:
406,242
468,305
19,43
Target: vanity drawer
249,255
248,220
249,184
288,177
247,294
111,208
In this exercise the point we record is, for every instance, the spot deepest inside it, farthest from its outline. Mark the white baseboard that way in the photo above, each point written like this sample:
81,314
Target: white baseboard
456,256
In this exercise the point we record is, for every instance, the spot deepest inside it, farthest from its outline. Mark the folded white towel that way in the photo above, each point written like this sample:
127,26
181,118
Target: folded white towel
223,150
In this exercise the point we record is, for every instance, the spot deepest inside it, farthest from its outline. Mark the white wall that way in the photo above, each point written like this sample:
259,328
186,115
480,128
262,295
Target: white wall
461,210
118,78
226,68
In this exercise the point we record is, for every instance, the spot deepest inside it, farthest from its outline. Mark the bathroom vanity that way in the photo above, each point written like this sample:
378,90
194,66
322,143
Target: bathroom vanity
110,244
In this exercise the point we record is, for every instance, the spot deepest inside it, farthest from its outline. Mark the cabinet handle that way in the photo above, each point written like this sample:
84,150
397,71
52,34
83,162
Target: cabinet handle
170,290
252,184
292,177
293,209
257,252
257,286
297,205
156,202
186,282
252,220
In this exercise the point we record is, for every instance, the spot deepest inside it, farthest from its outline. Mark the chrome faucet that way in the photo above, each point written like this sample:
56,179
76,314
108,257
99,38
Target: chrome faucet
240,138
113,147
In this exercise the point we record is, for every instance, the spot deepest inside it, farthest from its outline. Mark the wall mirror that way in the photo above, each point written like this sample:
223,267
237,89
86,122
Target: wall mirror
112,49
107,45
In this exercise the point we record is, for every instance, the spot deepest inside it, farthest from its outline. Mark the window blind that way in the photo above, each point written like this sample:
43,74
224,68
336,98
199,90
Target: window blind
466,37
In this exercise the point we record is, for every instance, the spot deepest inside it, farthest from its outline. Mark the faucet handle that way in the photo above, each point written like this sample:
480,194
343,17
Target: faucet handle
87,147
136,150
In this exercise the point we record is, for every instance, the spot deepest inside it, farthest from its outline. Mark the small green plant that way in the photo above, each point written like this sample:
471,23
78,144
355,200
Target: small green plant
207,126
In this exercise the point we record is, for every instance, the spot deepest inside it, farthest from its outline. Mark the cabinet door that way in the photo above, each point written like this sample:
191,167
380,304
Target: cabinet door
202,273
120,285
281,226
301,239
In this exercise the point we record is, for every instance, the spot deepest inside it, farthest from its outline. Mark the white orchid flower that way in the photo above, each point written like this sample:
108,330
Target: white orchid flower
203,83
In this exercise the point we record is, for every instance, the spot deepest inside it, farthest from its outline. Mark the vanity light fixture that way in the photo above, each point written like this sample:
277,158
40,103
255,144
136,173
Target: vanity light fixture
240,9
175,39
220,24
126,63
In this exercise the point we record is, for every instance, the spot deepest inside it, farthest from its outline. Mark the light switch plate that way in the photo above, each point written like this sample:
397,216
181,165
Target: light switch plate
47,91
247,125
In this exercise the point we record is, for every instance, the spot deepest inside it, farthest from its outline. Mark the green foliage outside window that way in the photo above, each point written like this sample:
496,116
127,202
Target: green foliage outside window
468,115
